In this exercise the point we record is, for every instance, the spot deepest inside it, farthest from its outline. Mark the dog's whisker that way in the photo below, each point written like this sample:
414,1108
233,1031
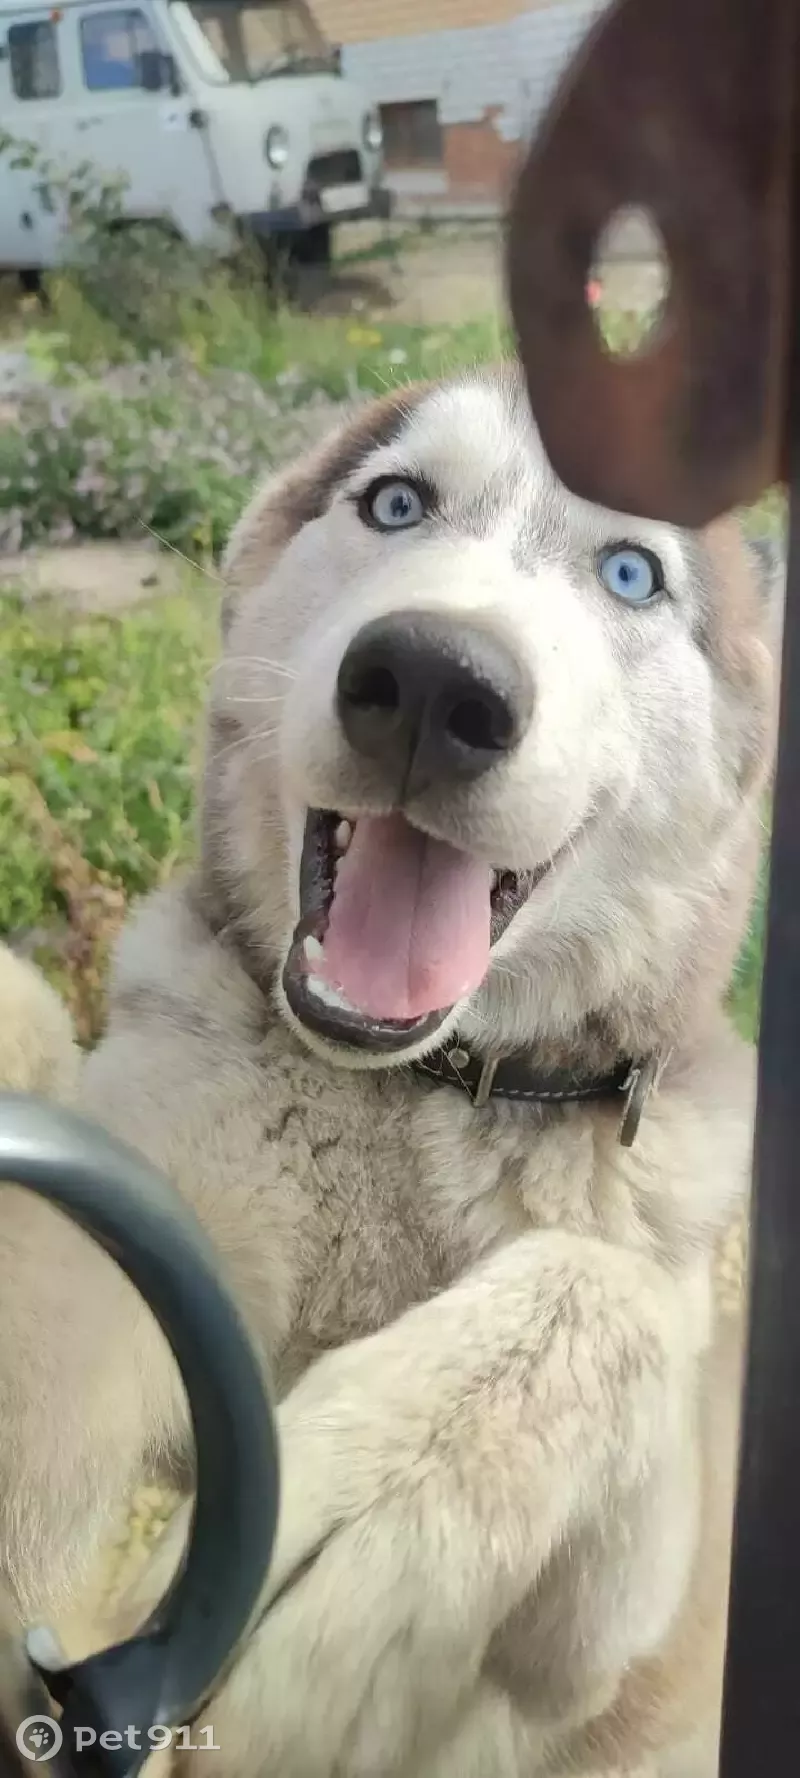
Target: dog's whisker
197,567
256,741
254,660
266,759
385,382
278,698
241,742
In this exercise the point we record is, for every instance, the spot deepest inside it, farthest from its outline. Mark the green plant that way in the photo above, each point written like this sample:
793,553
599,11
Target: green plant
155,444
98,757
100,720
745,991
131,272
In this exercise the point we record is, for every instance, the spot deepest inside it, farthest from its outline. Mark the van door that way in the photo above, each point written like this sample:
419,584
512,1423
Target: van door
156,139
31,95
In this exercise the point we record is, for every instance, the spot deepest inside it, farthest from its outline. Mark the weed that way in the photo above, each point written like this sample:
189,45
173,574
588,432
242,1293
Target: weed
99,750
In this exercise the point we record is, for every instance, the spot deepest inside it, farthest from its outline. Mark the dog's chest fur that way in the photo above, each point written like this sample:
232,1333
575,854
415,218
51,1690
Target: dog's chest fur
340,1198
404,1187
400,1188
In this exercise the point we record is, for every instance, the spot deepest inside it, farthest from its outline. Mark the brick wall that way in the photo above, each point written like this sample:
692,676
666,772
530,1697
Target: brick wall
478,164
362,21
490,81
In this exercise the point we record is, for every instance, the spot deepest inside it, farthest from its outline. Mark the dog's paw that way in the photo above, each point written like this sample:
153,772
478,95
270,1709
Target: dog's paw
38,1052
375,1616
360,1662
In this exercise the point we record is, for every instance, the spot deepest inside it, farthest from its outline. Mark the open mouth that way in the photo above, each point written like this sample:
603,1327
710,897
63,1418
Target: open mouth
395,928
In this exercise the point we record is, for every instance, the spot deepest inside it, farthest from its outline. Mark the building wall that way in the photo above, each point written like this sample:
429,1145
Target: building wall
479,162
491,80
361,21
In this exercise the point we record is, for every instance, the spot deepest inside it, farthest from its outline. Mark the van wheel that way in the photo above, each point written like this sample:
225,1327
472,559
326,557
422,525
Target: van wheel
315,246
32,284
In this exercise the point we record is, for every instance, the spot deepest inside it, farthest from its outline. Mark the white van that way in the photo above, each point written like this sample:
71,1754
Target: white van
214,110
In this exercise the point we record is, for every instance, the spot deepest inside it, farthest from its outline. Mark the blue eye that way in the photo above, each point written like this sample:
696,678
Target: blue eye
393,505
631,574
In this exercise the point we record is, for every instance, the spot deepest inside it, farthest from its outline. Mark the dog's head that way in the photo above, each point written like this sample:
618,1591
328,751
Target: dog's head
482,755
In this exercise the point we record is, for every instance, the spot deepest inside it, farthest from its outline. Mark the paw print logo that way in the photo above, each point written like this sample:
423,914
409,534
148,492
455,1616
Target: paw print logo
39,1738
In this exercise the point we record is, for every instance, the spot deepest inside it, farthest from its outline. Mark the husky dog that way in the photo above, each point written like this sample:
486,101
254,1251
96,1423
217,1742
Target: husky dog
432,1040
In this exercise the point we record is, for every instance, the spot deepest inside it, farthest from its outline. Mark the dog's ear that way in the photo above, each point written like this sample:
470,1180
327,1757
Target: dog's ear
301,493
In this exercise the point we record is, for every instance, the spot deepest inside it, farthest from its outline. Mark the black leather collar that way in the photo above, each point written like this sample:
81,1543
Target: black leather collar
515,1078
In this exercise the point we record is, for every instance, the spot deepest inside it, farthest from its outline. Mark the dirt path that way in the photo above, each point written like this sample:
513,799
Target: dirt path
453,273
95,577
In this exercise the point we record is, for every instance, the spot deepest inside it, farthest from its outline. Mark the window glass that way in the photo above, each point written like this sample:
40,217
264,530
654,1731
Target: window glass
111,45
255,39
412,134
33,60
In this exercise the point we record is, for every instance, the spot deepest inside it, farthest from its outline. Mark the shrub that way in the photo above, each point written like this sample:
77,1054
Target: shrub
98,759
156,444
100,721
132,273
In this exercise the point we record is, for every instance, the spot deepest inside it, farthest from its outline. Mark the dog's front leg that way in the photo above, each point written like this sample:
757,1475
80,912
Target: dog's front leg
430,1473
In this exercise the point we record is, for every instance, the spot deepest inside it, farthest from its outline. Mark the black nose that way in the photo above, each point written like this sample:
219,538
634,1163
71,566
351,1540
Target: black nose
432,699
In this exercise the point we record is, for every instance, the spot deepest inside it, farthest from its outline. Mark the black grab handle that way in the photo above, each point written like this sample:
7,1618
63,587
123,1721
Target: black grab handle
167,1672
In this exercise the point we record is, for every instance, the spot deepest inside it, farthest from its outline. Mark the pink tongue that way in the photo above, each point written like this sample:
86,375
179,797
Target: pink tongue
408,932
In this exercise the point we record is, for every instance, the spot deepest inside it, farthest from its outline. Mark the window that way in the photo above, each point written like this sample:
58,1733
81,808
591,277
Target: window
254,39
111,45
33,60
412,134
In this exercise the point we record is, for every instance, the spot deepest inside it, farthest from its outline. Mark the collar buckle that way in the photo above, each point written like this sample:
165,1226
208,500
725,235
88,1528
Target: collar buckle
483,1090
642,1081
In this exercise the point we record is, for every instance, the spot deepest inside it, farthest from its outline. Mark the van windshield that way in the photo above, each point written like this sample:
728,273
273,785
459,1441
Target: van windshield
258,39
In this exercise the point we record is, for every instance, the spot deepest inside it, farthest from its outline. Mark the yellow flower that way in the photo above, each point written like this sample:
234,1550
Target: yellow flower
198,351
364,336
68,742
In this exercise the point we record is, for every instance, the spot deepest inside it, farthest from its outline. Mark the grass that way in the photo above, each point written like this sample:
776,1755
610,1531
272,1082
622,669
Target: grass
745,991
231,325
99,747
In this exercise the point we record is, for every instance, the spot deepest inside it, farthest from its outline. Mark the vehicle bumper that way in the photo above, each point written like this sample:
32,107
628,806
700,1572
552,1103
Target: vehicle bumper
295,219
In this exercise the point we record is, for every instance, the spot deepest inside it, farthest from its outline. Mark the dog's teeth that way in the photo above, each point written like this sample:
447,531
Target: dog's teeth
495,878
329,995
343,836
313,949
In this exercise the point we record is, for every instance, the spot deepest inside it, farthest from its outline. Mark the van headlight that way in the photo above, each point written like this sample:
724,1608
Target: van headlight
276,146
373,132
